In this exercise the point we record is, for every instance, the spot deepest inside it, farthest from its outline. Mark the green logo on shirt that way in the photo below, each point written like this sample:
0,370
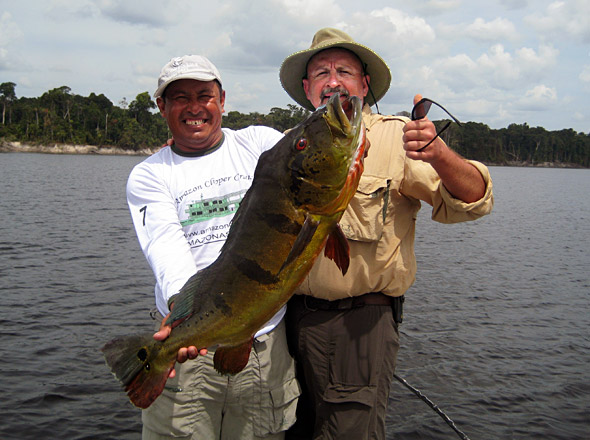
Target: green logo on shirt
206,209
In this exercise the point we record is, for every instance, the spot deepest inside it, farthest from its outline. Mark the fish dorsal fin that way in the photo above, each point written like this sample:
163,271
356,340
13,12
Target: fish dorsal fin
232,360
303,239
337,249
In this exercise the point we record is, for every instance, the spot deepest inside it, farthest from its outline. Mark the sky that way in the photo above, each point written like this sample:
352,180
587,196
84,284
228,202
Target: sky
496,62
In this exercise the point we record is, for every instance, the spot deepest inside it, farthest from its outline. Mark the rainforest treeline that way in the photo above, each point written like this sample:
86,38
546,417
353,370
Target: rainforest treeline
61,117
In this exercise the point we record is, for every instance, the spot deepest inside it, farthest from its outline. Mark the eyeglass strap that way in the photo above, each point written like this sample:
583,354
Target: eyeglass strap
438,133
365,74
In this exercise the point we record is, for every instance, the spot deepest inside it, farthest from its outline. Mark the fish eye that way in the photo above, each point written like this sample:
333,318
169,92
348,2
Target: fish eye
301,144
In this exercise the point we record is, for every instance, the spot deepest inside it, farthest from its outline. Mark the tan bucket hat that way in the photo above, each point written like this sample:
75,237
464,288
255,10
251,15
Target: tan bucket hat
293,69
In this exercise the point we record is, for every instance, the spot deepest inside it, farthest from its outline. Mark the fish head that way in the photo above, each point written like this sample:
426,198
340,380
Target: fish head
326,159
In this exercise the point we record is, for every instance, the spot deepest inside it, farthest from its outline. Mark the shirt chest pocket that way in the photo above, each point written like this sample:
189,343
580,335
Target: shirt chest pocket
363,219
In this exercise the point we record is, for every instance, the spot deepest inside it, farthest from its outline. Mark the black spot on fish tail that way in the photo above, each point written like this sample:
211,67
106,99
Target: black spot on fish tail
252,270
281,223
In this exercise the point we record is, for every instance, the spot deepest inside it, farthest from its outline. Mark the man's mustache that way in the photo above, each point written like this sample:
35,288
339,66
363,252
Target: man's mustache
331,90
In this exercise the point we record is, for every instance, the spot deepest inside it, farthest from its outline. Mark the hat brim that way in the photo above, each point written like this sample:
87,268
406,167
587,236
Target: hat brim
293,70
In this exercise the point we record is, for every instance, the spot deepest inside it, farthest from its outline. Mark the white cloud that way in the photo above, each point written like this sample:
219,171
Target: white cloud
542,93
243,94
460,72
538,98
138,12
10,32
480,106
60,10
514,4
392,33
563,20
531,60
403,27
311,9
580,117
496,68
585,74
262,43
432,7
479,31
495,30
4,63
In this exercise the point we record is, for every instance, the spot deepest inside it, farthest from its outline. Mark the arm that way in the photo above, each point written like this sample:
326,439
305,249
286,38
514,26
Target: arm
459,177
159,232
162,241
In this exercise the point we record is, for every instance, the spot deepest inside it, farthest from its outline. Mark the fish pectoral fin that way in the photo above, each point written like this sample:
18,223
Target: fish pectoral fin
337,249
185,304
232,359
303,239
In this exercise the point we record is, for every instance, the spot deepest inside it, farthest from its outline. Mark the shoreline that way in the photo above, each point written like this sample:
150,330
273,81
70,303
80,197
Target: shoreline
19,147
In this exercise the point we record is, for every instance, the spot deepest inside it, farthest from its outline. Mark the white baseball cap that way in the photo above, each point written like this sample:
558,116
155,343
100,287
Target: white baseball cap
186,67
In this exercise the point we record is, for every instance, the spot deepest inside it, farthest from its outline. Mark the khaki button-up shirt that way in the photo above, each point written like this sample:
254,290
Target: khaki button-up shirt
381,218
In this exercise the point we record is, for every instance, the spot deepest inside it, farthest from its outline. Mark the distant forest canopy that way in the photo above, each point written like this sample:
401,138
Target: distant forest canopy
61,117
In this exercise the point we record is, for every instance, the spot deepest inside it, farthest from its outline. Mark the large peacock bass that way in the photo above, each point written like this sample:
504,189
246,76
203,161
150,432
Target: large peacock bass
300,190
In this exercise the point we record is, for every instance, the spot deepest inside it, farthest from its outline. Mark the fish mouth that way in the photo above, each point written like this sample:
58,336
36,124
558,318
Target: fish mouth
344,116
346,120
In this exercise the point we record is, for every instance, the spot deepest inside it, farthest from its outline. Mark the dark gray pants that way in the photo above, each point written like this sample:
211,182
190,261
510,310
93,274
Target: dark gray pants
345,364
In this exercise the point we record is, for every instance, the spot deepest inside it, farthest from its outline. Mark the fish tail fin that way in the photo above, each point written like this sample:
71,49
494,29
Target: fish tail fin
135,362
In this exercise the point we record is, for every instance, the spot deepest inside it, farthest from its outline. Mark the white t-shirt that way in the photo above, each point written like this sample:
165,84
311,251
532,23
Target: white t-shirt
182,206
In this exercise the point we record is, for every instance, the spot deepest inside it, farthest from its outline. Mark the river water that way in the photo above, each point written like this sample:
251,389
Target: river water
496,330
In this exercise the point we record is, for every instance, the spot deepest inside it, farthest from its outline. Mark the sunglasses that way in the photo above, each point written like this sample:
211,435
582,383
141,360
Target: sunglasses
420,111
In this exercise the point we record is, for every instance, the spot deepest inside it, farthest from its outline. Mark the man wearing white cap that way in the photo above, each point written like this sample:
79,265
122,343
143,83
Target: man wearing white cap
168,196
343,330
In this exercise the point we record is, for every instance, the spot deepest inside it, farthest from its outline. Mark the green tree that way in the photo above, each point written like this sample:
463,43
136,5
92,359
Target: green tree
131,137
283,119
7,96
98,111
141,108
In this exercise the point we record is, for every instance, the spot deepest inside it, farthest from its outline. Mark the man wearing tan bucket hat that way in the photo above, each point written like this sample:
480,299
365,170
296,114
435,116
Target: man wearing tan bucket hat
343,331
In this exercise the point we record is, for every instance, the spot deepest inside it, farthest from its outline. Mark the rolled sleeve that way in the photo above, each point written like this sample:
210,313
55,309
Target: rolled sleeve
453,210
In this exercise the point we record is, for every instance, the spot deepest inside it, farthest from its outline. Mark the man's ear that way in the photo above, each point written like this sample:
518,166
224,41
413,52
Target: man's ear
306,87
161,105
222,101
366,82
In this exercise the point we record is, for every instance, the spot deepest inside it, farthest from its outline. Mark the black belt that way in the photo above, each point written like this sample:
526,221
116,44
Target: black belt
368,299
